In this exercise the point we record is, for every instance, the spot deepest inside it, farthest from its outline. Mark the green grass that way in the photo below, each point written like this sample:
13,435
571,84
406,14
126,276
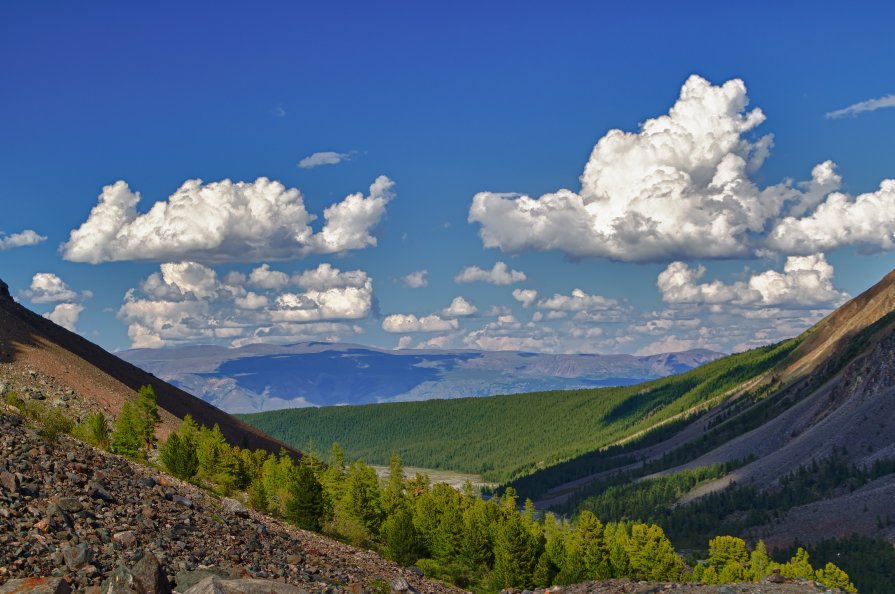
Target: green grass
505,437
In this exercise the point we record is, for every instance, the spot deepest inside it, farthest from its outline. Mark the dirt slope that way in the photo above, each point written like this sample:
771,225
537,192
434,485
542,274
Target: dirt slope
35,350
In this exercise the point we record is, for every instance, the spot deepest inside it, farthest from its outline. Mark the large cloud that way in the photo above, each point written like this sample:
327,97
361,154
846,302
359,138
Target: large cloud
223,221
681,187
26,237
188,302
805,281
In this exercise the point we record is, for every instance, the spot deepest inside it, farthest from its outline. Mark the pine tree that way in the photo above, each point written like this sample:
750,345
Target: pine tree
617,544
652,555
728,555
305,506
362,497
94,429
393,496
210,447
447,538
832,576
147,416
178,455
544,572
477,548
588,535
126,439
798,566
759,562
515,554
402,541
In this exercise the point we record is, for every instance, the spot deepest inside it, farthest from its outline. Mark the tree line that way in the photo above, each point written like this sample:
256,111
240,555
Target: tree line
453,535
456,535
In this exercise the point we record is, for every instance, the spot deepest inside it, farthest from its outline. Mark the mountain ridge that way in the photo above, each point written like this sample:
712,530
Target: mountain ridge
256,378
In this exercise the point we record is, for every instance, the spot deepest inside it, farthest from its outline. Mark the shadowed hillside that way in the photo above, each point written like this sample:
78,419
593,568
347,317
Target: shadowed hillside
86,376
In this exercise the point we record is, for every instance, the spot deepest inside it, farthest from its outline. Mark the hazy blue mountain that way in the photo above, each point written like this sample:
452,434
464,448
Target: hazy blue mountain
268,377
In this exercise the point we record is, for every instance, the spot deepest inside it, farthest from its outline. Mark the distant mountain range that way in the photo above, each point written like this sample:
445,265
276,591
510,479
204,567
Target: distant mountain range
260,377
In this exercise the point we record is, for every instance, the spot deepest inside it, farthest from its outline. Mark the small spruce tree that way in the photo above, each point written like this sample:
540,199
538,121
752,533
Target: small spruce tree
126,439
305,506
147,416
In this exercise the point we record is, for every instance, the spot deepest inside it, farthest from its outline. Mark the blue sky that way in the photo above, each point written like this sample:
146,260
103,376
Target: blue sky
697,230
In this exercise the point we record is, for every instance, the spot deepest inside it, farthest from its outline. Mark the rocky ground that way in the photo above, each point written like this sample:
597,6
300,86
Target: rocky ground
69,510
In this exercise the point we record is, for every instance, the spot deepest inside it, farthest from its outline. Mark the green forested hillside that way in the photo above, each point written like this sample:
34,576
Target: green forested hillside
504,437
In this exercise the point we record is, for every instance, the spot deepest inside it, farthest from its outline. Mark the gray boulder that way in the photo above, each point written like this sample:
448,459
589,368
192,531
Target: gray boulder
234,507
215,585
149,577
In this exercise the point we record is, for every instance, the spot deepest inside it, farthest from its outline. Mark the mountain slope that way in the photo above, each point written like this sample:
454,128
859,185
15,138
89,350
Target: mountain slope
262,377
831,398
504,437
829,393
36,352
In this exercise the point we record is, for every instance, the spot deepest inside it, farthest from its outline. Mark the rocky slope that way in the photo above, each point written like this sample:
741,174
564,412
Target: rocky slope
69,510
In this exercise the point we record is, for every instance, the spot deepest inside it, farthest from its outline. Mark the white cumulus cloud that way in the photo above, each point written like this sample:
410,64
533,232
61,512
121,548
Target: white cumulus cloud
26,237
406,323
223,221
525,296
682,187
46,287
265,278
500,274
867,222
578,301
804,281
459,308
188,302
66,315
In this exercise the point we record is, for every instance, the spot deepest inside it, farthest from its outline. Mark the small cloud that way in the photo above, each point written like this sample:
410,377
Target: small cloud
404,342
416,280
500,274
459,307
46,287
66,315
404,323
324,158
26,237
279,112
525,296
862,106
